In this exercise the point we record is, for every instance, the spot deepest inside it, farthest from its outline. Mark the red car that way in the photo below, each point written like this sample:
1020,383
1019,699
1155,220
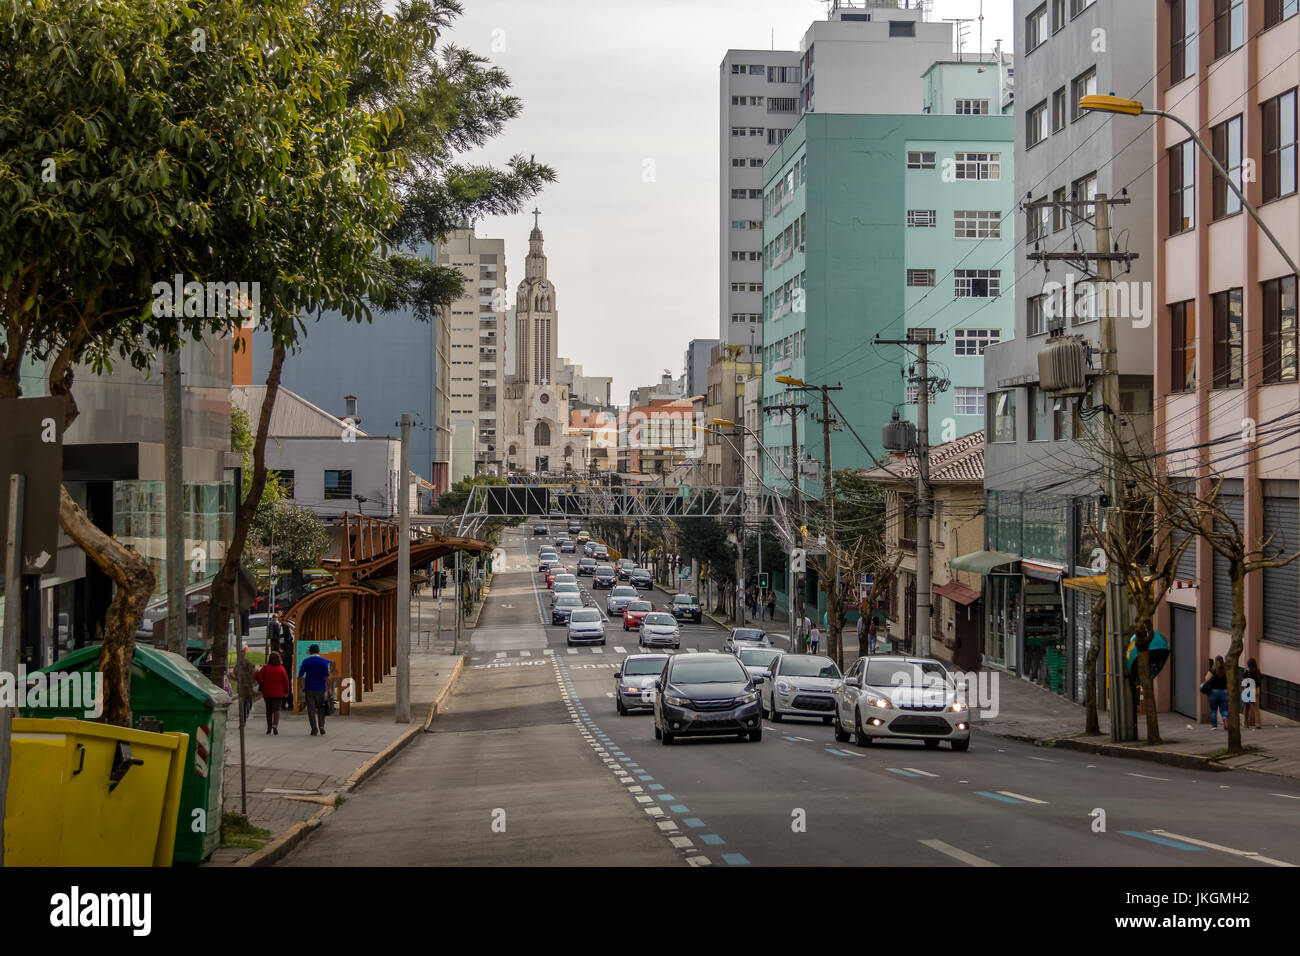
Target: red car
552,572
633,614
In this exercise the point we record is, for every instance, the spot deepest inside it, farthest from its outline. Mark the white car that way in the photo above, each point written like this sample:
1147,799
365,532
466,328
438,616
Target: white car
620,596
659,629
758,660
586,626
903,698
802,685
634,682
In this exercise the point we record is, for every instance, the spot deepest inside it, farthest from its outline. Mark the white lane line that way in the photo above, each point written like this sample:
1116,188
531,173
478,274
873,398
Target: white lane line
1286,796
1146,776
923,773
806,740
1021,796
1248,854
1044,759
621,650
548,653
691,650
970,859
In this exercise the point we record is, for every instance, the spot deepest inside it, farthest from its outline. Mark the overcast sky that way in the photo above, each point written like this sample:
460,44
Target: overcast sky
606,87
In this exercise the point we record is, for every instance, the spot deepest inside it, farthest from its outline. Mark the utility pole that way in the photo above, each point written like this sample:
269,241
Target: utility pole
795,605
12,626
403,703
174,503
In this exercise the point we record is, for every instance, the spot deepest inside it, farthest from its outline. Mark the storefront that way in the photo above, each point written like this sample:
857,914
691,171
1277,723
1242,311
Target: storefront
1002,603
1045,660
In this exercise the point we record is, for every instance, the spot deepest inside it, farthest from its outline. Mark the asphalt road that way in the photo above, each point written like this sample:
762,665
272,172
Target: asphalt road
531,736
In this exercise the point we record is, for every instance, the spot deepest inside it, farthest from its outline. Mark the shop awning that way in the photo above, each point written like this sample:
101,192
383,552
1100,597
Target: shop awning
1042,570
958,593
1095,583
982,562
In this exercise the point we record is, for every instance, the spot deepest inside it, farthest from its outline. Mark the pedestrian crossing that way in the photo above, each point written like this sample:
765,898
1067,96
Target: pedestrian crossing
487,657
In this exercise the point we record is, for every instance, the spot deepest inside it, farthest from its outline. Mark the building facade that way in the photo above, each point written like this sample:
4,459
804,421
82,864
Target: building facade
699,353
725,399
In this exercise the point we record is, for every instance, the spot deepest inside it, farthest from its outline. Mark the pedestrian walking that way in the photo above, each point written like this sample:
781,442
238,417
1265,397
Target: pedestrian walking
861,629
814,638
316,672
274,681
805,629
1215,686
1250,694
246,683
273,630
873,635
771,606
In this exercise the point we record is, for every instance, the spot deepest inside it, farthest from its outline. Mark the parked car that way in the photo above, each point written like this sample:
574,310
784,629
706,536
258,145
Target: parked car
564,606
640,578
660,630
634,681
745,637
603,576
619,598
902,698
635,612
686,607
758,661
706,694
802,685
586,626
586,565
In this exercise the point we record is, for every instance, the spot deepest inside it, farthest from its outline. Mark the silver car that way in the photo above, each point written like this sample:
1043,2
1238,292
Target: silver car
758,660
802,685
634,682
563,587
660,629
745,637
586,626
619,598
904,698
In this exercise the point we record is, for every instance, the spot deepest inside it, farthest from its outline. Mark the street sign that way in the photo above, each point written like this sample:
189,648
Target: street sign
798,561
31,436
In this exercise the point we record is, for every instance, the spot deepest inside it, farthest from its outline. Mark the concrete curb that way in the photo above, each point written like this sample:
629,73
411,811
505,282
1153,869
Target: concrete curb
279,847
1167,757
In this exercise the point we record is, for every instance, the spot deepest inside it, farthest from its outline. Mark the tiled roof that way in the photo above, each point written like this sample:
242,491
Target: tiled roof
961,459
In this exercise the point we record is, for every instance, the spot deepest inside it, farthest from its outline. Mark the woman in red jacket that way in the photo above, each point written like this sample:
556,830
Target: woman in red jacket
274,682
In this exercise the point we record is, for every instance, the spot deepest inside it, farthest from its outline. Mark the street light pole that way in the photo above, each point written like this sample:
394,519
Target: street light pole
403,703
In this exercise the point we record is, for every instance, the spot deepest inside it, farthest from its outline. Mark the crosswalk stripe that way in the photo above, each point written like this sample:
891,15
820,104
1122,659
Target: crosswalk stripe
525,653
601,650
574,650
619,650
503,653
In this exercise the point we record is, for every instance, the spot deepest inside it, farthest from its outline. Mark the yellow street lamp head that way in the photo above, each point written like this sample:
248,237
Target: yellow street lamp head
788,380
1110,103
725,423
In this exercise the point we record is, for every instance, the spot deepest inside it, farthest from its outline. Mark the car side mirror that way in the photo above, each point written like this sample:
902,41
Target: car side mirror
617,675
758,679
659,685
852,682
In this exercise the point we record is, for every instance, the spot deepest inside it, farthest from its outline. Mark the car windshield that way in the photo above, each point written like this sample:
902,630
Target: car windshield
568,600
683,599
660,618
688,671
915,674
806,665
565,579
623,591
567,589
640,606
643,666
747,634
756,656
604,569
587,562
640,573
585,615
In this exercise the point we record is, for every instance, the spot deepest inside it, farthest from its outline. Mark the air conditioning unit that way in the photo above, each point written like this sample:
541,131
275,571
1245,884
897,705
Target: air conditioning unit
741,377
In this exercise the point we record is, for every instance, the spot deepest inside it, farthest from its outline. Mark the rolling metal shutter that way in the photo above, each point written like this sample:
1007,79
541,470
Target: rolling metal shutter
1282,585
1222,585
1186,563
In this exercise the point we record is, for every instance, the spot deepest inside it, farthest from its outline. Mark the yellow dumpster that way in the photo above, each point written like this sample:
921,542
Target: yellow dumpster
87,794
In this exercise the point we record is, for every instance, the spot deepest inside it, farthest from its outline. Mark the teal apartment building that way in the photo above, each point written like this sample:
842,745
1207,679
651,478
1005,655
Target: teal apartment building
876,224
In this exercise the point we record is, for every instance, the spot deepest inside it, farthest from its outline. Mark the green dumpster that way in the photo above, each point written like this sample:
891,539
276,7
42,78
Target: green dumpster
169,694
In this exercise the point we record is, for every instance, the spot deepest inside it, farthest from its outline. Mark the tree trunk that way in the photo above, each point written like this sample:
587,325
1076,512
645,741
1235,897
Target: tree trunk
223,585
135,582
834,623
1095,638
1234,654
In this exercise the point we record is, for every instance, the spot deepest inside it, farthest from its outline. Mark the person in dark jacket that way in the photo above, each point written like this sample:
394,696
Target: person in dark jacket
287,660
315,670
274,681
1217,680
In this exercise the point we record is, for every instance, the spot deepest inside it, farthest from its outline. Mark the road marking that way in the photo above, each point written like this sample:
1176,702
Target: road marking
996,796
600,650
793,740
901,773
970,859
692,650
525,653
1043,759
667,825
694,823
923,773
712,839
1248,854
698,861
1021,797
806,740
503,653
1285,796
838,753
619,650
734,859
1146,776
1161,840
573,650
681,842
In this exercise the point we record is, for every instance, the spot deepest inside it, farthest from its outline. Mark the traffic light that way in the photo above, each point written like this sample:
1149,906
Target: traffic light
762,581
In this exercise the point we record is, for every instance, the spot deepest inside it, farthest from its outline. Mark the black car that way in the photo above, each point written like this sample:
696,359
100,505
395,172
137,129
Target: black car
707,695
574,527
640,578
539,530
586,565
603,576
686,607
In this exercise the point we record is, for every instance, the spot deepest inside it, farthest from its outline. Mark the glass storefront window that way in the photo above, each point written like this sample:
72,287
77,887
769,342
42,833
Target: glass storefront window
1046,523
1002,624
1008,521
139,521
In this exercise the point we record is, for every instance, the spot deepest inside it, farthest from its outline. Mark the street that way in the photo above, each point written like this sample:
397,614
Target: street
530,764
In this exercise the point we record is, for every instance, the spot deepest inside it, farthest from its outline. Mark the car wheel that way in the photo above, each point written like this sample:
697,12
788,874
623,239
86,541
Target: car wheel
666,737
961,744
859,737
756,735
618,705
826,720
841,735
602,642
658,733
932,745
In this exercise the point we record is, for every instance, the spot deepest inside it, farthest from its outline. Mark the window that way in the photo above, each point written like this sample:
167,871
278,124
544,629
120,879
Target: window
1083,191
756,69
1084,85
1182,187
1229,26
286,481
973,341
1058,209
782,104
1040,418
912,391
1036,125
1038,223
338,485
902,28
776,136
1279,133
1058,110
1036,28
977,283
922,217
986,166
755,162
737,131
967,401
1226,146
1061,414
783,74
920,160
1078,6
1058,14
1001,415
1281,341
920,277
1275,11
1227,338
972,107
977,224
1034,315
1183,34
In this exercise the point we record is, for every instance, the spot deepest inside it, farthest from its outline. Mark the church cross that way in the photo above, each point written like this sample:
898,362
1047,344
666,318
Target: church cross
536,213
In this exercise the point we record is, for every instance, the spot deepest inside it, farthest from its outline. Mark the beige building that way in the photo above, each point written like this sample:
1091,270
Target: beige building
957,527
477,326
724,464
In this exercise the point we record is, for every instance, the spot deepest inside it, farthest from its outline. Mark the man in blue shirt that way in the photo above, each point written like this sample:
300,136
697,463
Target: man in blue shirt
316,670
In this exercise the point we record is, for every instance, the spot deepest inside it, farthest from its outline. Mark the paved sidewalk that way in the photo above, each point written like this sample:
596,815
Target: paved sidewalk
290,776
1030,713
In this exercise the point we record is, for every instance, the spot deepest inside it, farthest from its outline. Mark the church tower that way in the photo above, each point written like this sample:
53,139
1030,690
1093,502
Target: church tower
536,321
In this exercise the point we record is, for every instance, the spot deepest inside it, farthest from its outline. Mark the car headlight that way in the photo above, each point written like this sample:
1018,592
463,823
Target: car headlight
957,707
880,703
677,701
784,687
749,698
